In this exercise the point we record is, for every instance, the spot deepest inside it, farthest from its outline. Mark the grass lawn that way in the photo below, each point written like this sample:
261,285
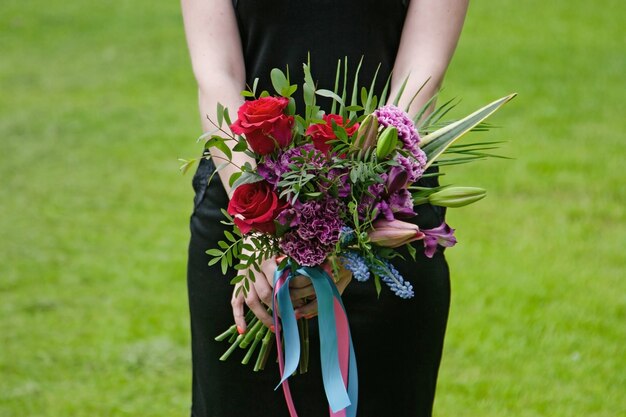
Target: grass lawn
97,102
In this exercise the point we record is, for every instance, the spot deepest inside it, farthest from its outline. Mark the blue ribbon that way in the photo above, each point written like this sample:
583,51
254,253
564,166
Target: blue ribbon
326,292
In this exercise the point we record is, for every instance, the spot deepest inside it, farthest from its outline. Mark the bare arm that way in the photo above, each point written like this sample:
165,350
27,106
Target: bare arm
218,66
429,38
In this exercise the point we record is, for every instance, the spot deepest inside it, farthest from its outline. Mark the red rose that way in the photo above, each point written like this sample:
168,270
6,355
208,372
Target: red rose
264,124
255,206
323,133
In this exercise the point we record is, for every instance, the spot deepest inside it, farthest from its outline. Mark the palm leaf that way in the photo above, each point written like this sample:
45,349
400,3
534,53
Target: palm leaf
438,141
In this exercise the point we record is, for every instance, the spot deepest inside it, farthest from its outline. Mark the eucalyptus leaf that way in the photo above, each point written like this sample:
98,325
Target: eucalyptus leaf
279,80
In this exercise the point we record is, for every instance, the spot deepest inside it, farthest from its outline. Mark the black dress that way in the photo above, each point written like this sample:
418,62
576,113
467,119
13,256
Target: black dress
398,343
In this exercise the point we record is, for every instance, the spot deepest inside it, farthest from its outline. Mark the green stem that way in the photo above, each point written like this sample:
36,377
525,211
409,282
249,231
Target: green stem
257,340
264,353
232,329
253,328
232,348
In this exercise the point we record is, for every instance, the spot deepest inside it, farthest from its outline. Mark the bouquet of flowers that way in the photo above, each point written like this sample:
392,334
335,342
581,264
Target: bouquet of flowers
330,191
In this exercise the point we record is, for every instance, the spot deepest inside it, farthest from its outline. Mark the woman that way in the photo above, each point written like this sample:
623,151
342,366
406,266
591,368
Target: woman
398,342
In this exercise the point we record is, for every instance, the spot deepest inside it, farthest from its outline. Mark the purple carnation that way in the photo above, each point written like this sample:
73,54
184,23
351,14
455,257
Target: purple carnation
391,115
320,219
414,166
306,252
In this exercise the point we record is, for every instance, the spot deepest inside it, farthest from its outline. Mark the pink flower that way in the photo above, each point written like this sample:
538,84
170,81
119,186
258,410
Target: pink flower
394,233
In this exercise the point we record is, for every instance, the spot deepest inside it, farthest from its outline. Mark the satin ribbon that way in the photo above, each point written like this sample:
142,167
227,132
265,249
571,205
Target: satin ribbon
339,372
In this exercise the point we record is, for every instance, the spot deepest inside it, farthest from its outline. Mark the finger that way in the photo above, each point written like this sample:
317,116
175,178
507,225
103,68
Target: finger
308,310
298,293
262,286
259,310
268,268
299,282
237,302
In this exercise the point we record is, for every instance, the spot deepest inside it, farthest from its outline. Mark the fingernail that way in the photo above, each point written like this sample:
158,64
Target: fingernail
240,330
299,316
272,329
310,316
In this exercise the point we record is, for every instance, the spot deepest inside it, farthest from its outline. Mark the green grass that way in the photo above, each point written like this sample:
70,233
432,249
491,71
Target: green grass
97,101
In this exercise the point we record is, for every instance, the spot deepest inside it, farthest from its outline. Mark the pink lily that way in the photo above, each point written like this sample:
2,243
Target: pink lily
394,233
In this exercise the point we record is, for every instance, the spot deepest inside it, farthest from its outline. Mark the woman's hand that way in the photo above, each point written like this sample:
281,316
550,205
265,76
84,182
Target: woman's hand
302,290
259,296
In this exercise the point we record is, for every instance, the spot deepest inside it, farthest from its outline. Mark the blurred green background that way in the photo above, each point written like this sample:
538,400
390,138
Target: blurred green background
97,102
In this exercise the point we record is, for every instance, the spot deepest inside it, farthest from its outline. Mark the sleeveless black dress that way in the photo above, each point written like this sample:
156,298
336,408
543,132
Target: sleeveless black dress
398,343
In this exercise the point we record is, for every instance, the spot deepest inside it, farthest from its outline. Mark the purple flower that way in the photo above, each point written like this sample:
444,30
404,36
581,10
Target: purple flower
270,170
308,151
371,198
273,169
306,252
321,219
398,204
442,235
414,165
391,115
397,179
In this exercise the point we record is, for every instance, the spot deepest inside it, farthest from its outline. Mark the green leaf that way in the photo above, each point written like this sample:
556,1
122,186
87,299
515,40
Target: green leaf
437,142
246,93
220,114
241,145
255,83
227,117
279,80
336,89
222,146
224,265
237,279
379,287
363,96
246,178
399,95
213,261
229,236
408,106
329,94
383,95
187,164
234,178
355,88
368,103
288,92
214,252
